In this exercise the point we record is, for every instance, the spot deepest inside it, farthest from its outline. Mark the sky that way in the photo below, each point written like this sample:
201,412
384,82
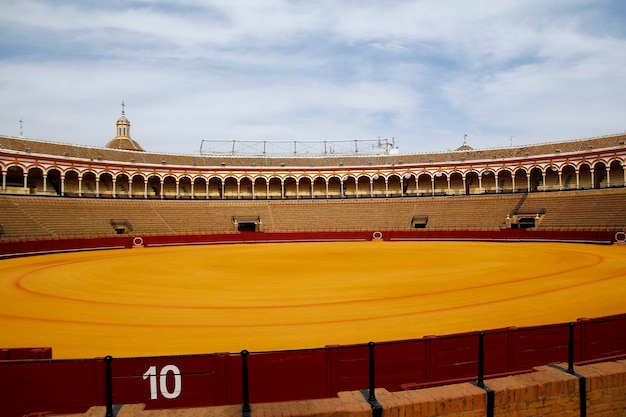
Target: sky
421,73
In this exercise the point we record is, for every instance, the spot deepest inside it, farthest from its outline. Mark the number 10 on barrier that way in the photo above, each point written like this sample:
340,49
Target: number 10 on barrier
160,385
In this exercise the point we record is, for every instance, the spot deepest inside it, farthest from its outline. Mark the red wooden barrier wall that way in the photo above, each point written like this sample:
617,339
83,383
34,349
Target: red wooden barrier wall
174,381
12,249
28,386
25,353
50,386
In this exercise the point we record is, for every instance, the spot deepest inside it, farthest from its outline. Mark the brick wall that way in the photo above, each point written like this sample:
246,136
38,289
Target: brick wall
606,388
548,391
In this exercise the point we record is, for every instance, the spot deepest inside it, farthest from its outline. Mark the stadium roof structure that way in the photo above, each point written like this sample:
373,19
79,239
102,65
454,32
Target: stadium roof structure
462,156
262,148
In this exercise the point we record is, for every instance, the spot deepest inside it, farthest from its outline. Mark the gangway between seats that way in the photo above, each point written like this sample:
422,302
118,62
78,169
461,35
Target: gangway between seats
419,222
121,226
247,223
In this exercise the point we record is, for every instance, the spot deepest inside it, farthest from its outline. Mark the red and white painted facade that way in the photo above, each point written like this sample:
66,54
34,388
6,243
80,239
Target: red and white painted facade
39,167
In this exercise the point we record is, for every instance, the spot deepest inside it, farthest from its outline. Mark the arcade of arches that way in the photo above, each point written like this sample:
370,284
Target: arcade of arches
71,181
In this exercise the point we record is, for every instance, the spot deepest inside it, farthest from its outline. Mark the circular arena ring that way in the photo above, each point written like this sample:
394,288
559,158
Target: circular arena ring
224,298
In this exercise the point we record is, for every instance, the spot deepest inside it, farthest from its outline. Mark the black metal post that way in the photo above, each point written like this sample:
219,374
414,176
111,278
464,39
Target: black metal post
377,409
108,386
582,381
481,359
245,408
480,383
570,353
372,373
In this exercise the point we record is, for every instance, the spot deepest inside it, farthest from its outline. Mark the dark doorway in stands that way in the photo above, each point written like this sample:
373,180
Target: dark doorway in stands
247,227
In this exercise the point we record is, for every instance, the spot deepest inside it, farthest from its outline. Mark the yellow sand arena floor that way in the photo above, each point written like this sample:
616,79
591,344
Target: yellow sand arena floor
225,298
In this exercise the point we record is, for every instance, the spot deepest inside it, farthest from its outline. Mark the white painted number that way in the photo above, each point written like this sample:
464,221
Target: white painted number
151,373
162,382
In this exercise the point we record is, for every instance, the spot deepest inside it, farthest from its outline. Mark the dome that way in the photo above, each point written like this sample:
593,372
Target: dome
465,146
124,144
123,119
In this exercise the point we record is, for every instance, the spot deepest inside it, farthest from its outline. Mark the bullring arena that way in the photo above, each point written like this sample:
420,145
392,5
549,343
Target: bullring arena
199,299
249,284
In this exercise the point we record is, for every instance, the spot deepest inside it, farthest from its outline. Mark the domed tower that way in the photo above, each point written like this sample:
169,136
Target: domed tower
122,139
123,125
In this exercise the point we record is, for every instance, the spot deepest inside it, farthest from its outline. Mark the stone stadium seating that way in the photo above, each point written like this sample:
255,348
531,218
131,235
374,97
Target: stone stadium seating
37,217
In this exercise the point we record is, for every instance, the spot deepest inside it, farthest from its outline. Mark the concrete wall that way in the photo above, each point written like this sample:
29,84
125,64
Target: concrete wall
547,391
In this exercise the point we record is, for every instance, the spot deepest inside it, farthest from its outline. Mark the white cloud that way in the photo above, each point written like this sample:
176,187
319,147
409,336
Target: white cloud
424,72
573,93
